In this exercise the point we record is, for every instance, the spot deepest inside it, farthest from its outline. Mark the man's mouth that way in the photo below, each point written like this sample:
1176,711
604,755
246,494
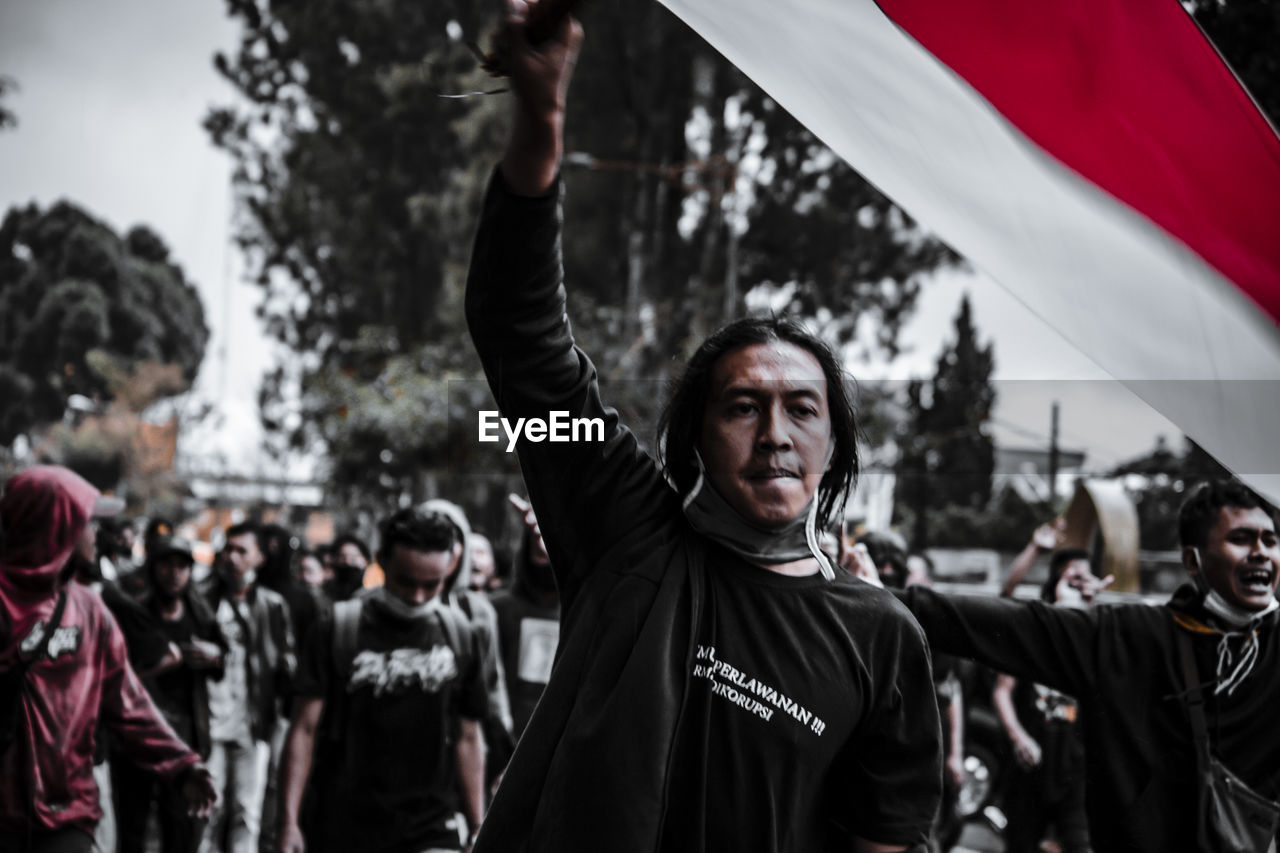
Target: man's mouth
769,474
1258,581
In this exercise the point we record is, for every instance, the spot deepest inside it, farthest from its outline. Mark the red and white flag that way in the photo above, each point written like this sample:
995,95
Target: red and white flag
1096,158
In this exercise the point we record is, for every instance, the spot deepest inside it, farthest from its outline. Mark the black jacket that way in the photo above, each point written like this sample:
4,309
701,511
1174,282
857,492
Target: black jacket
592,769
271,660
1120,662
204,627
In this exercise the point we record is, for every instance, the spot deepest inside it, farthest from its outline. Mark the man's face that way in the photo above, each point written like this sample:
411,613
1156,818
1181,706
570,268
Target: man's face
172,574
415,577
482,562
311,570
86,542
350,555
766,431
243,554
1241,560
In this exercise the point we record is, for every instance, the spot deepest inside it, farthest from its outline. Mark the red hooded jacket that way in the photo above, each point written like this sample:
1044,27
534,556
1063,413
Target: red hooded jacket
84,678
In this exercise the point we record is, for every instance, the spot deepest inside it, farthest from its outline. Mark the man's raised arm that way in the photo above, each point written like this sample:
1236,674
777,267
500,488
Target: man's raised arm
594,492
540,77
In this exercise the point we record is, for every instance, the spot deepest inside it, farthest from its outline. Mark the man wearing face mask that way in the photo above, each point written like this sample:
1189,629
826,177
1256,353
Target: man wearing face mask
386,724
717,685
258,670
349,562
1122,662
65,675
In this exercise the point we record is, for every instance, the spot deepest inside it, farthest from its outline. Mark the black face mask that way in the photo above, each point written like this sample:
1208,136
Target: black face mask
346,580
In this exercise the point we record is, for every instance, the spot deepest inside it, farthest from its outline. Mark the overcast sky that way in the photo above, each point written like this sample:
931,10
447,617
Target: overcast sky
109,108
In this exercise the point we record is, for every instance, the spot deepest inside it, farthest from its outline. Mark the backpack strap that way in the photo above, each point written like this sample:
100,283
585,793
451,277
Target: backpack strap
346,624
1195,699
50,627
456,631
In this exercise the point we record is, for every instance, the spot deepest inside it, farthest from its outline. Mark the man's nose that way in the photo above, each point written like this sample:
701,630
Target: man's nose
773,428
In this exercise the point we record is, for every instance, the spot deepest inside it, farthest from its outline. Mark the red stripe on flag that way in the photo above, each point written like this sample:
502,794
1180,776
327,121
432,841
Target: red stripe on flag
1129,94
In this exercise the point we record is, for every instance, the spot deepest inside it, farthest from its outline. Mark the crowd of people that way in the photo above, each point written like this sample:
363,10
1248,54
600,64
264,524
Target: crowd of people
300,699
676,662
284,698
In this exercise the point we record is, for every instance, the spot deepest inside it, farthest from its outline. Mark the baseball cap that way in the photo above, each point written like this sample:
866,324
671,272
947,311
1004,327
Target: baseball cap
162,546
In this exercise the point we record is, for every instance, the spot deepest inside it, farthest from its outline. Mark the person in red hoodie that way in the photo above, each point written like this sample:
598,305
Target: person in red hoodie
55,692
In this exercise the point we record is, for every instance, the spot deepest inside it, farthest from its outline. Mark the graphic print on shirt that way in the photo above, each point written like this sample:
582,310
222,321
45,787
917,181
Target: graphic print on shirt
401,670
751,694
1054,705
65,641
538,640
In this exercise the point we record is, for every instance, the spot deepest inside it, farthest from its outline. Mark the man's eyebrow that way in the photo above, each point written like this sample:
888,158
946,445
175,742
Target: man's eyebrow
756,391
1251,530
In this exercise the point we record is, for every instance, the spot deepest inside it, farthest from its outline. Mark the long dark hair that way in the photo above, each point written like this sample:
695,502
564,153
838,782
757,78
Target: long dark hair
681,421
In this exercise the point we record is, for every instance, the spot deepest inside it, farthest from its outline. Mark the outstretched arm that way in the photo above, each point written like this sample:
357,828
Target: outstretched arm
1055,646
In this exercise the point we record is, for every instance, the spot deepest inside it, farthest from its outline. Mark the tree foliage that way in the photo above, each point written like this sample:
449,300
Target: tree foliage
116,447
947,455
359,187
1163,479
80,305
8,120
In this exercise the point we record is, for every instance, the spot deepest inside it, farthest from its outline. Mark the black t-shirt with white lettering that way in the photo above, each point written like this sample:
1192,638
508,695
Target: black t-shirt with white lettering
810,718
384,775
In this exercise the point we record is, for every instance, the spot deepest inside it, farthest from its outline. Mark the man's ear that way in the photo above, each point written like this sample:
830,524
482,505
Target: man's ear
456,562
1191,560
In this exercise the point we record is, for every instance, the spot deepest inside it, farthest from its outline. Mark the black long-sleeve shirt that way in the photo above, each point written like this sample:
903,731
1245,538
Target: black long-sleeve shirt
1121,663
825,698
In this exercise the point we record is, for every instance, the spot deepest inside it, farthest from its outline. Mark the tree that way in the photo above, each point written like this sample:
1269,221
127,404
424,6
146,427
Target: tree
116,447
1164,478
947,457
8,120
79,304
359,186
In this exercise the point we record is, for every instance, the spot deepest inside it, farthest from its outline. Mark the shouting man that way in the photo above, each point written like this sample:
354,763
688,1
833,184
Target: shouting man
1124,664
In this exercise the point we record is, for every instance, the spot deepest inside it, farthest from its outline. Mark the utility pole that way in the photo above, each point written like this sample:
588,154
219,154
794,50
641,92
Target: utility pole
1053,458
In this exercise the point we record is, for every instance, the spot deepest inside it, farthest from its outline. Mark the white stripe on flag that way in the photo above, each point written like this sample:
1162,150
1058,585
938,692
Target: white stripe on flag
1137,302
